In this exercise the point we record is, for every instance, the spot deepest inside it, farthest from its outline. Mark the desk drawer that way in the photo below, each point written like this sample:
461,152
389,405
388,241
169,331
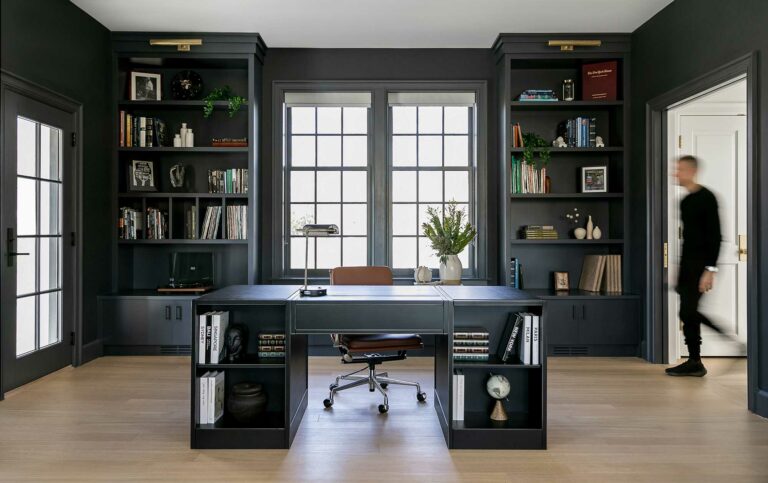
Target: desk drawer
365,318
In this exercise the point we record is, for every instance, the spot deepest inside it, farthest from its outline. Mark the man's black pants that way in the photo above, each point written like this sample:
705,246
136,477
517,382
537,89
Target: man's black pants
688,288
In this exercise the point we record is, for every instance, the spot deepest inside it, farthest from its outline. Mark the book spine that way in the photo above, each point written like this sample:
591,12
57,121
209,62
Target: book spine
212,397
121,135
150,132
535,341
203,383
142,132
460,399
526,342
202,322
455,397
215,338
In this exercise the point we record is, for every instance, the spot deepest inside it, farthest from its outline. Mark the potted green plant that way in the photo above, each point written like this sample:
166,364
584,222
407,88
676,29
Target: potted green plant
450,235
234,103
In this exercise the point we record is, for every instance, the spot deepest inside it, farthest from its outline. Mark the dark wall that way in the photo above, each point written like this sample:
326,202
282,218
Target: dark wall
376,64
685,40
56,45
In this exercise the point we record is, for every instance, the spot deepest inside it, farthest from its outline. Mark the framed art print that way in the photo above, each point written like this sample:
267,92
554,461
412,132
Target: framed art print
594,179
141,176
561,281
145,86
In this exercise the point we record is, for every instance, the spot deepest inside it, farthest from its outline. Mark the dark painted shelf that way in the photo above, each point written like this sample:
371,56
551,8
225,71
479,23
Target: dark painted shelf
565,104
268,420
174,104
181,195
175,241
568,241
196,149
607,149
250,362
480,420
493,362
550,294
543,196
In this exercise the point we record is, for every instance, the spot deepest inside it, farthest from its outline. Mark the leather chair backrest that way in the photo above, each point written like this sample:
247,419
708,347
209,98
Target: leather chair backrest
375,275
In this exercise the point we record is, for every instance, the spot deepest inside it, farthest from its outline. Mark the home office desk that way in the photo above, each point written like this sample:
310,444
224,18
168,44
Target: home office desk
377,309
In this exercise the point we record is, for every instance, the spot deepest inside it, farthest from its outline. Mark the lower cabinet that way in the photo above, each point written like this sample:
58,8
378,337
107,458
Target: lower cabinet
146,325
593,327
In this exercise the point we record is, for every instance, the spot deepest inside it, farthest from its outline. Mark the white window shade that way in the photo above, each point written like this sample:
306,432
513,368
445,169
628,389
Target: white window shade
431,98
328,99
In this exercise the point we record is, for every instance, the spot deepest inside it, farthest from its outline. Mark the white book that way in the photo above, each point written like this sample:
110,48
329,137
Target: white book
219,323
525,345
202,323
215,396
455,397
203,383
142,132
535,341
460,399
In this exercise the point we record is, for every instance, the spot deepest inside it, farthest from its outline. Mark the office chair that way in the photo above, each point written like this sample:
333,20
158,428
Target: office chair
368,348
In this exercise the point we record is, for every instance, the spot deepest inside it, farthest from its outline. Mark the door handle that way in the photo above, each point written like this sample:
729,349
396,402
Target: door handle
10,242
167,312
573,312
742,248
178,312
583,312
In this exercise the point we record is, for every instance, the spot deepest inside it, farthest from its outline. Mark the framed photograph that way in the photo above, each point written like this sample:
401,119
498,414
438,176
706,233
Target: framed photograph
561,281
141,176
594,179
145,86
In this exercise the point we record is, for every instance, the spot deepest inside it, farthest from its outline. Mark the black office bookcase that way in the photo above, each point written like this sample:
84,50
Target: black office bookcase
233,60
526,61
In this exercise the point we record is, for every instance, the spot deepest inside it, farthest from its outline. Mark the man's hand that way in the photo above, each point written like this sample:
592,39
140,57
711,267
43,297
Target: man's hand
706,281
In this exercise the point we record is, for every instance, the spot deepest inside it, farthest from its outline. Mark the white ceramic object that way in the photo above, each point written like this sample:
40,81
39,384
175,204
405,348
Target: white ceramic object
599,143
190,140
597,233
183,134
177,141
580,233
590,227
450,271
422,275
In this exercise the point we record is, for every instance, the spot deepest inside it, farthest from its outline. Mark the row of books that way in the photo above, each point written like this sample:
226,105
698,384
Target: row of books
236,222
538,95
130,224
210,389
271,345
470,344
211,222
190,223
601,273
157,224
141,132
517,136
520,340
210,337
539,232
580,132
527,178
228,180
515,273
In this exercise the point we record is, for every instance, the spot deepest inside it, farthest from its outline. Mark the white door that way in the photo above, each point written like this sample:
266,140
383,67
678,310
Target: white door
719,141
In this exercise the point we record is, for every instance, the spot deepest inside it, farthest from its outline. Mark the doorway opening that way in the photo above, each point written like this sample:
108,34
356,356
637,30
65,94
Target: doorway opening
712,126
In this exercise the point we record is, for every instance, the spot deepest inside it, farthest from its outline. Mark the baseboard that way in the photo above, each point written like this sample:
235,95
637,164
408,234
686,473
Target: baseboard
92,350
761,403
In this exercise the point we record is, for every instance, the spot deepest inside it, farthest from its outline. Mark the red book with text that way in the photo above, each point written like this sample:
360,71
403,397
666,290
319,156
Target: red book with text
598,81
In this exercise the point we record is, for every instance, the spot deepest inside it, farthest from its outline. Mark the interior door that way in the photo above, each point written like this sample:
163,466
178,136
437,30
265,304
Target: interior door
36,283
720,142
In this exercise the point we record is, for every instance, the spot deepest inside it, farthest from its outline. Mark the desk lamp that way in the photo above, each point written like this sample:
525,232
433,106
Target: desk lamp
314,231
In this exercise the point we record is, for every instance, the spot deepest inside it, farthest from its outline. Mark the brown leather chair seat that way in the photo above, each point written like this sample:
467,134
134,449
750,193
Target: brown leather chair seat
381,342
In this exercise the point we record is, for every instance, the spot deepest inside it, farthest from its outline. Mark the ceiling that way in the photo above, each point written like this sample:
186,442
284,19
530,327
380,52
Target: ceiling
374,23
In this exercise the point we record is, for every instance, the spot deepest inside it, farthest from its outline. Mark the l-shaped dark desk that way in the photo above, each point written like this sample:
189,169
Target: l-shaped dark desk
377,309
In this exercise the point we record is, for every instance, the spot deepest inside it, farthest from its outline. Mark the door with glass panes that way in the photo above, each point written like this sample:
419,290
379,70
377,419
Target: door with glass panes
37,238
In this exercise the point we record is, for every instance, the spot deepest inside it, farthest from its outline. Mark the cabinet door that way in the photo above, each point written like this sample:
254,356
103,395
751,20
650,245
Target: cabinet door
562,327
171,321
182,322
125,321
612,322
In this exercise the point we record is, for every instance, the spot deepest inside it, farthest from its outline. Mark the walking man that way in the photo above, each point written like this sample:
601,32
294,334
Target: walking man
698,263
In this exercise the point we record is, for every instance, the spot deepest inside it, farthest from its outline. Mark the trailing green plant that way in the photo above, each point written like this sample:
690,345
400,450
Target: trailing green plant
234,103
449,233
535,146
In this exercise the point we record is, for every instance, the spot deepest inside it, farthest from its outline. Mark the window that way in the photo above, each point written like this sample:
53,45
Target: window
431,165
328,182
372,157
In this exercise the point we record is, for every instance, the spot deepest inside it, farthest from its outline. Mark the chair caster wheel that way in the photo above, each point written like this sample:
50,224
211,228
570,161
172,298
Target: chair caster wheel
327,403
332,387
422,396
384,385
383,408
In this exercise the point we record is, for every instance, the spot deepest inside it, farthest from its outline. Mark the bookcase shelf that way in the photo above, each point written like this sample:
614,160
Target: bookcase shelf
565,104
567,241
563,196
607,149
196,149
182,195
182,241
174,104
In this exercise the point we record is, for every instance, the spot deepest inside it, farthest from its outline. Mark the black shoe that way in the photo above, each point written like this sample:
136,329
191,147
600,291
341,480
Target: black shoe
691,367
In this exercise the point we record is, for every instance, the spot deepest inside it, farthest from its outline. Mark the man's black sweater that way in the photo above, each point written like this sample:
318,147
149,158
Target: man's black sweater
701,228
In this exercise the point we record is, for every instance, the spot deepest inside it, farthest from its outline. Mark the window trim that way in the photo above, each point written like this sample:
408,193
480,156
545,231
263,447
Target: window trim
378,169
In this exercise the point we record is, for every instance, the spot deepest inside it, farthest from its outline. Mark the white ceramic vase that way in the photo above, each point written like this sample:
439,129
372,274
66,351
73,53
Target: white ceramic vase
597,233
590,227
422,275
580,233
450,271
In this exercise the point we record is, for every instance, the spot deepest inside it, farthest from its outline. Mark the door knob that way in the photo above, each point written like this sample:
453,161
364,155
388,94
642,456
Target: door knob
742,248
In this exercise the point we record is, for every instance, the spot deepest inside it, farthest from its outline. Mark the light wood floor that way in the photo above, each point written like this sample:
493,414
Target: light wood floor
609,420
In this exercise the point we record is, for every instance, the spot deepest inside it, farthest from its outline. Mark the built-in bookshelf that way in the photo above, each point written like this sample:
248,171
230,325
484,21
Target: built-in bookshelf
187,211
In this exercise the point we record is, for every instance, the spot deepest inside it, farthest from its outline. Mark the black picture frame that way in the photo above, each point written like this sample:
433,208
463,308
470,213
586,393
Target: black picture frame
146,86
141,176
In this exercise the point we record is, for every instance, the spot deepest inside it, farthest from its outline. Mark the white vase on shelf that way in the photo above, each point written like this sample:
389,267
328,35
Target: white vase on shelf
450,270
183,134
580,233
590,227
597,233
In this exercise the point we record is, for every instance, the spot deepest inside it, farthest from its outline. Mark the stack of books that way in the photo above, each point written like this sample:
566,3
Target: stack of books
271,345
210,390
141,132
236,222
130,224
538,95
210,337
157,224
520,340
527,178
539,232
580,132
228,181
470,344
211,223
601,272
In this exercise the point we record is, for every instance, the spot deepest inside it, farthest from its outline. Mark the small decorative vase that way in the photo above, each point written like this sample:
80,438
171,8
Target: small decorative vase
597,233
422,275
580,233
590,227
183,134
246,402
450,270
